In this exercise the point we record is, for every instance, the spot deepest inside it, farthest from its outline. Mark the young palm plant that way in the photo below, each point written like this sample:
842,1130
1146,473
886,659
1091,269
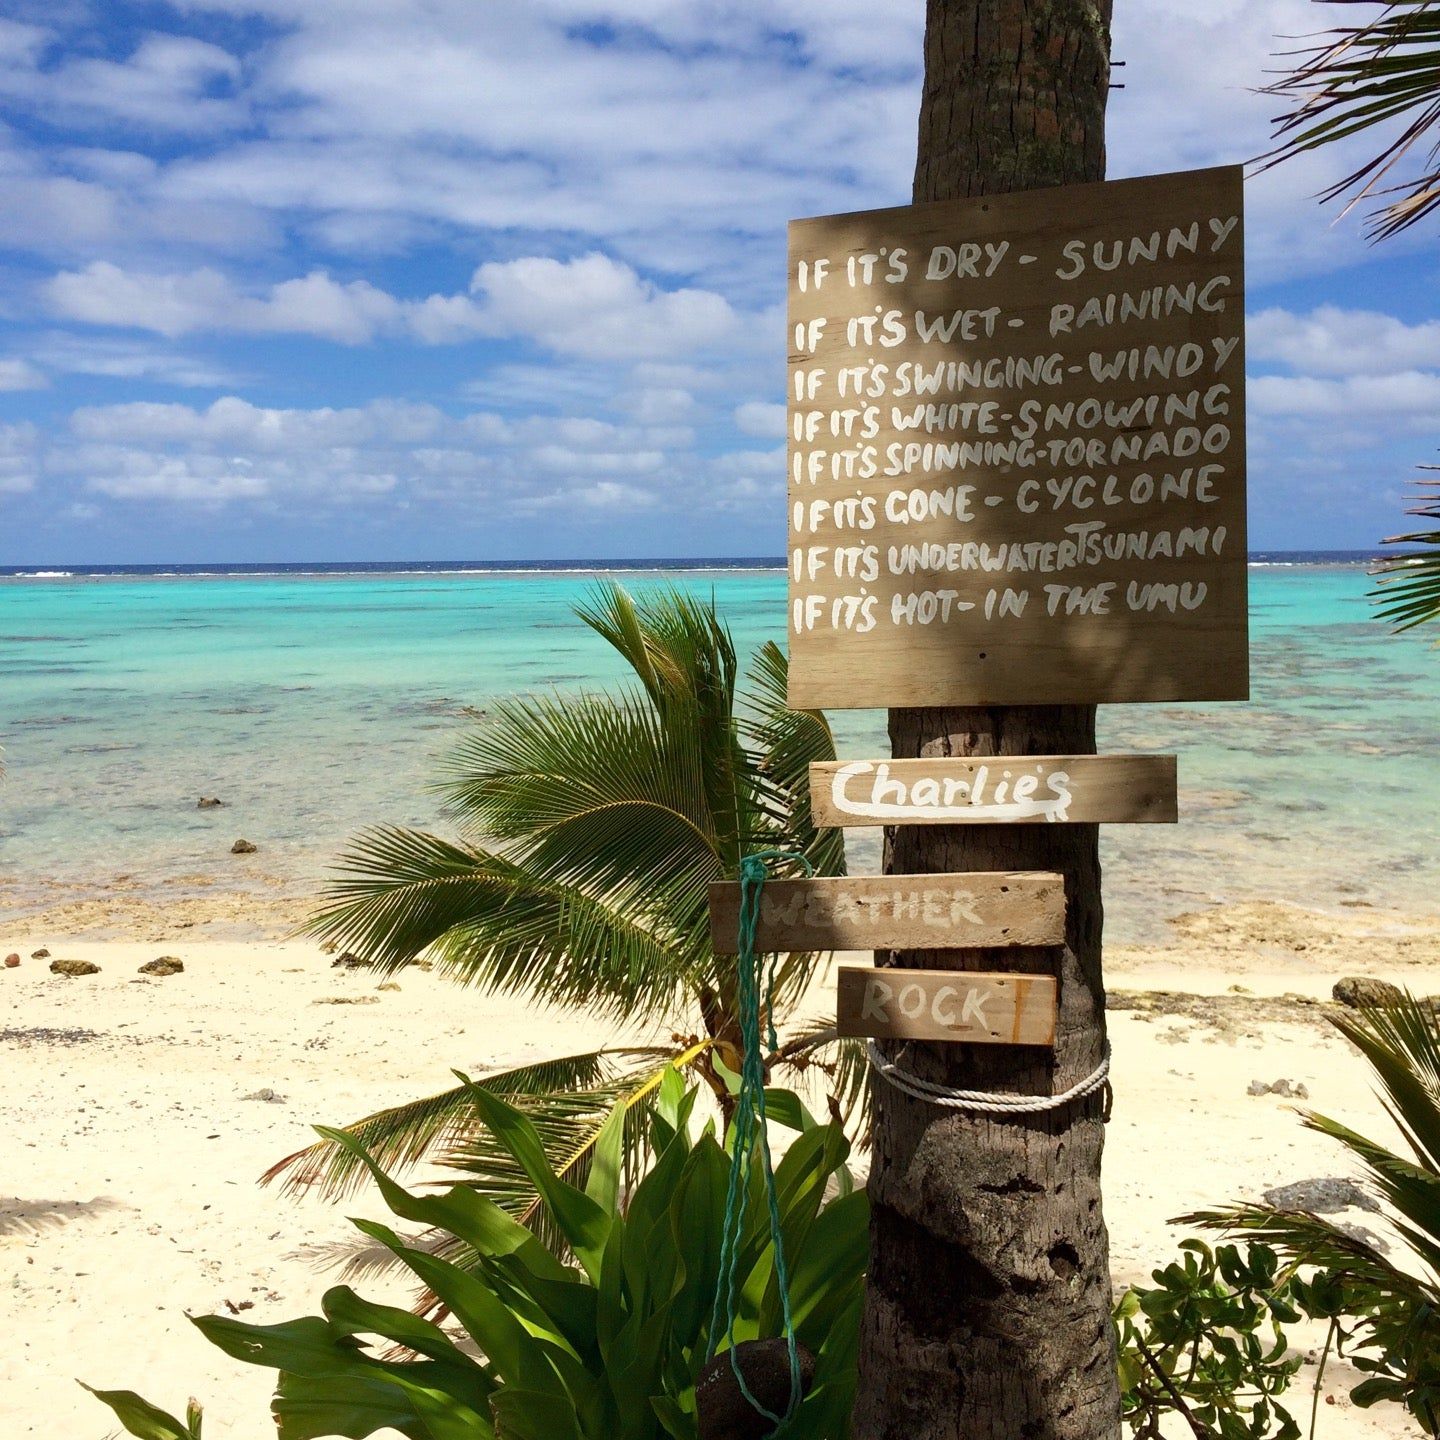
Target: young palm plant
591,827
1387,1314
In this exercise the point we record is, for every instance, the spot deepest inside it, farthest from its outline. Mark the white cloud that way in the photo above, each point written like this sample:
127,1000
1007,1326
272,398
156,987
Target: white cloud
317,305
1410,394
235,451
205,300
761,418
167,83
661,405
206,480
231,422
119,359
19,463
678,137
613,175
1192,79
18,374
104,294
591,308
1330,340
597,308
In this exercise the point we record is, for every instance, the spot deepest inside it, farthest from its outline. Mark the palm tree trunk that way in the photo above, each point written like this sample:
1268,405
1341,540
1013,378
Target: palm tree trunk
987,1315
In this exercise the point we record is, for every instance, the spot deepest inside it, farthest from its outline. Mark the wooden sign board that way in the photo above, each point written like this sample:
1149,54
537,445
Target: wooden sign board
1008,790
897,912
1017,448
942,1005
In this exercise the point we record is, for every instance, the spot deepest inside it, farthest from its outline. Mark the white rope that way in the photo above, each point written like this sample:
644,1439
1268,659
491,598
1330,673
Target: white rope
980,1100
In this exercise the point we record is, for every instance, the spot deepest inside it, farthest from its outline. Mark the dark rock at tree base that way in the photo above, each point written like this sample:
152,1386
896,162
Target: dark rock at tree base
242,847
165,965
721,1410
209,802
1358,990
11,961
73,967
41,954
1321,1197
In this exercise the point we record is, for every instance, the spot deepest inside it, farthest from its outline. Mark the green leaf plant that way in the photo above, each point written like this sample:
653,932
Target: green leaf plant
1384,1312
605,1347
1206,1343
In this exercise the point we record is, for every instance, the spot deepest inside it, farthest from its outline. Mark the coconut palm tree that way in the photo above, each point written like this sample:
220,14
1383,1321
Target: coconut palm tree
988,1301
1379,74
590,828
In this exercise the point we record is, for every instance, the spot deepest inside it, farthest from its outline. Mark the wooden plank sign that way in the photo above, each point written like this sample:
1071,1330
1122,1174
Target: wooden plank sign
1032,789
943,1005
1017,448
897,912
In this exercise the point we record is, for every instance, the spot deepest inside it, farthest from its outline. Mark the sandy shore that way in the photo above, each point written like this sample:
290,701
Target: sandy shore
132,1143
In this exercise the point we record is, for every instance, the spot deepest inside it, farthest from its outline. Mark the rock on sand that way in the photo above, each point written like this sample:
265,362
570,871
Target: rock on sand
165,965
74,967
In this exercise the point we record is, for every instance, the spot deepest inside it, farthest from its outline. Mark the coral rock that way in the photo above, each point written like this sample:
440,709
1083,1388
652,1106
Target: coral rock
1358,990
74,967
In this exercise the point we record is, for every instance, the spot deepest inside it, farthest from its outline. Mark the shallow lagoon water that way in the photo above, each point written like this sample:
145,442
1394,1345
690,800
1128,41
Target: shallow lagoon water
316,704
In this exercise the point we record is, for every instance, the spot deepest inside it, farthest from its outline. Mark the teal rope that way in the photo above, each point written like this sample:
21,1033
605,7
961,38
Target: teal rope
747,1129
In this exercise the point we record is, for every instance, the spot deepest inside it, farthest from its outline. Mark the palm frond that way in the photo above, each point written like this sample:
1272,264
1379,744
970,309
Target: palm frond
1394,1308
685,657
400,894
1401,1042
541,759
788,743
1407,590
678,646
594,791
402,1136
1381,72
1305,1240
567,1100
813,1045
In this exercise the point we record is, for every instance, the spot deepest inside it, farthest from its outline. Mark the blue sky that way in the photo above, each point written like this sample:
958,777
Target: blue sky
426,279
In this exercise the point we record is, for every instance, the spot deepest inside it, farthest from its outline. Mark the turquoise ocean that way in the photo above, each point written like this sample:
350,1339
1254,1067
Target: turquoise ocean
316,700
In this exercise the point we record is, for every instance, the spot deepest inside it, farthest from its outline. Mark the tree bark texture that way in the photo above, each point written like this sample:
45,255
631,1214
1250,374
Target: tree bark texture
987,1313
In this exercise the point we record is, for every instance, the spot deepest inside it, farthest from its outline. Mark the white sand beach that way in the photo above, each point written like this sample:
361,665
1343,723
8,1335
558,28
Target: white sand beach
133,1142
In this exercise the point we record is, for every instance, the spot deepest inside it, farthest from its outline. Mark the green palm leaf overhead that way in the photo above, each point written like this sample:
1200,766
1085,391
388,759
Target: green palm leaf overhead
1380,73
1379,76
